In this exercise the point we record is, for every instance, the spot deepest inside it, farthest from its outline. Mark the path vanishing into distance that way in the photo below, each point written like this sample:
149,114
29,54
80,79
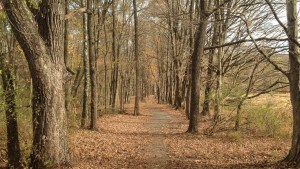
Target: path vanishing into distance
156,139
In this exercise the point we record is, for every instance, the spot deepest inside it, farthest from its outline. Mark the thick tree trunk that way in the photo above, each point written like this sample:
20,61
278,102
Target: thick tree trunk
13,145
200,38
43,44
49,117
136,59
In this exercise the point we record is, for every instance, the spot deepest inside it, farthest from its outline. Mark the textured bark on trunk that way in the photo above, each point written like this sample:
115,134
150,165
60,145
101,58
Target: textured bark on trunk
85,69
189,71
200,37
114,73
219,74
93,64
294,153
42,41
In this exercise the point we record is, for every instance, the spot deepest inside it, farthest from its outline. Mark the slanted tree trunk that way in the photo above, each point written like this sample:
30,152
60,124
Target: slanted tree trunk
209,79
200,37
136,60
13,145
92,63
77,81
245,97
42,41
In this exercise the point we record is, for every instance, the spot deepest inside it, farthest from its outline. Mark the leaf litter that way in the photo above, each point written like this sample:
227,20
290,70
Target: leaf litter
127,141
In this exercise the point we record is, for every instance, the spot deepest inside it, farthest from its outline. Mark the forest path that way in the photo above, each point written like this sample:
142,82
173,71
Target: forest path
156,139
157,148
126,141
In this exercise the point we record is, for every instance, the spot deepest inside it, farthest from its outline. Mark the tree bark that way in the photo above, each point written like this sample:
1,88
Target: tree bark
92,63
114,73
85,69
136,60
13,144
294,153
200,38
42,41
191,43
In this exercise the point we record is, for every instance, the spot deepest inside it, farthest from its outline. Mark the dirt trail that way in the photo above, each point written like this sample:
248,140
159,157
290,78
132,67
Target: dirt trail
158,148
157,140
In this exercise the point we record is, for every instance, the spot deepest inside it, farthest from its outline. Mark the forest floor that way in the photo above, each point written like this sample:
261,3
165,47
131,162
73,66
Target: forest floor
157,139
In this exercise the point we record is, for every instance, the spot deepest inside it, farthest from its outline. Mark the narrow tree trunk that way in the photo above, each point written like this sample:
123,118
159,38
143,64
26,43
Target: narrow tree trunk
219,73
85,69
114,73
77,81
105,68
238,115
294,153
66,51
191,43
121,99
209,79
136,59
93,64
13,145
196,66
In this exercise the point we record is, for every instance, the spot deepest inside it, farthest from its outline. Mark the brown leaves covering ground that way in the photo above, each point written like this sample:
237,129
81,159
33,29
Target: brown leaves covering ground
126,141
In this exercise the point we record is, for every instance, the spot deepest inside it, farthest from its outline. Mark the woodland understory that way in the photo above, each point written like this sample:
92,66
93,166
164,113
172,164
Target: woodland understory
149,84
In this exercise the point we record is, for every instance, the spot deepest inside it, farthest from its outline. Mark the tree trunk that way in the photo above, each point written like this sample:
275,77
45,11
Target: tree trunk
77,81
85,70
209,79
191,43
294,153
219,73
238,115
93,63
114,73
42,41
13,145
66,53
136,59
196,66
